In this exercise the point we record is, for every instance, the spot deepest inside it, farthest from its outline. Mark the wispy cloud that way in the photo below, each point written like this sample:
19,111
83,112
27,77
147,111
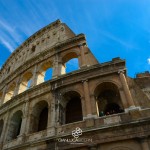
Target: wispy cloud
6,26
9,38
118,40
7,44
148,60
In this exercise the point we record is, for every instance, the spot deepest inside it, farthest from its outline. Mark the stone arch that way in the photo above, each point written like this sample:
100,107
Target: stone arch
15,125
39,117
108,99
68,58
106,80
70,108
10,92
25,82
42,72
1,126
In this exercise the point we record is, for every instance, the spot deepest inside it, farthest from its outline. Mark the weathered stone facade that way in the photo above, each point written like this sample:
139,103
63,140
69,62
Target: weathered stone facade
111,109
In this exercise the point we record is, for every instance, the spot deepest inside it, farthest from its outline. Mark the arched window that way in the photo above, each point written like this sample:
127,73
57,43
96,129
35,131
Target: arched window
70,63
48,74
43,119
39,118
26,82
10,92
14,125
1,126
71,108
45,72
108,99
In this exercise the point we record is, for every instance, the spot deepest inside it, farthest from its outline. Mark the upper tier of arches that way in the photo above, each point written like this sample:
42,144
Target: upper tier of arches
48,54
40,41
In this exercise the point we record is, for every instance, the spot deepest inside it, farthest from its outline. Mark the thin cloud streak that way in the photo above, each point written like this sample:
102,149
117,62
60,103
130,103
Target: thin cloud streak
116,39
9,38
6,26
7,44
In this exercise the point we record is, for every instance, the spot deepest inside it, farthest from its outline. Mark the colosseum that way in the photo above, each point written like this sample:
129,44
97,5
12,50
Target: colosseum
97,107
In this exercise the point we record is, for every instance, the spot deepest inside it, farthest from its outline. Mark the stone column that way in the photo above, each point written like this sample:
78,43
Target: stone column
5,127
57,66
83,107
144,144
34,77
126,88
57,109
123,99
1,98
3,95
24,118
93,105
17,86
83,62
50,121
29,124
87,98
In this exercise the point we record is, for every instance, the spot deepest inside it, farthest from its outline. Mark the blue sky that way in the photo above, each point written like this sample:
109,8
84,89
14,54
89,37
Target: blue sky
113,28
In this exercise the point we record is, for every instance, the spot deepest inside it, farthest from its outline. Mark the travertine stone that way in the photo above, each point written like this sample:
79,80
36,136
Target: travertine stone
41,115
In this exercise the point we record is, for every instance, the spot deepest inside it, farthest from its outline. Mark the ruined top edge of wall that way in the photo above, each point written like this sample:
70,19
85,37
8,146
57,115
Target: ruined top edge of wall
143,75
41,35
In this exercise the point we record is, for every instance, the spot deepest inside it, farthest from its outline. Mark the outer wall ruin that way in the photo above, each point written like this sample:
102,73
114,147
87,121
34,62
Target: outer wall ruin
111,109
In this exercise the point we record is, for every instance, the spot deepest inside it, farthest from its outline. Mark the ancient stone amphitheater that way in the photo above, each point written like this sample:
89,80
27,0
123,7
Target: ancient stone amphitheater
96,107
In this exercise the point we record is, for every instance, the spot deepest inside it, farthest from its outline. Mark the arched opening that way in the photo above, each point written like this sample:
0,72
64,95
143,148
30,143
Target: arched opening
70,63
39,118
45,73
112,108
15,125
43,119
71,108
108,99
48,74
26,82
10,92
1,126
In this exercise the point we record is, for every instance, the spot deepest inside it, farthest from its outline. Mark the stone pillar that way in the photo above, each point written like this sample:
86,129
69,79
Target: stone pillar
123,99
83,61
17,86
87,98
144,144
24,118
55,69
5,128
93,105
57,109
83,106
57,66
34,77
126,89
3,95
2,98
50,121
29,124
